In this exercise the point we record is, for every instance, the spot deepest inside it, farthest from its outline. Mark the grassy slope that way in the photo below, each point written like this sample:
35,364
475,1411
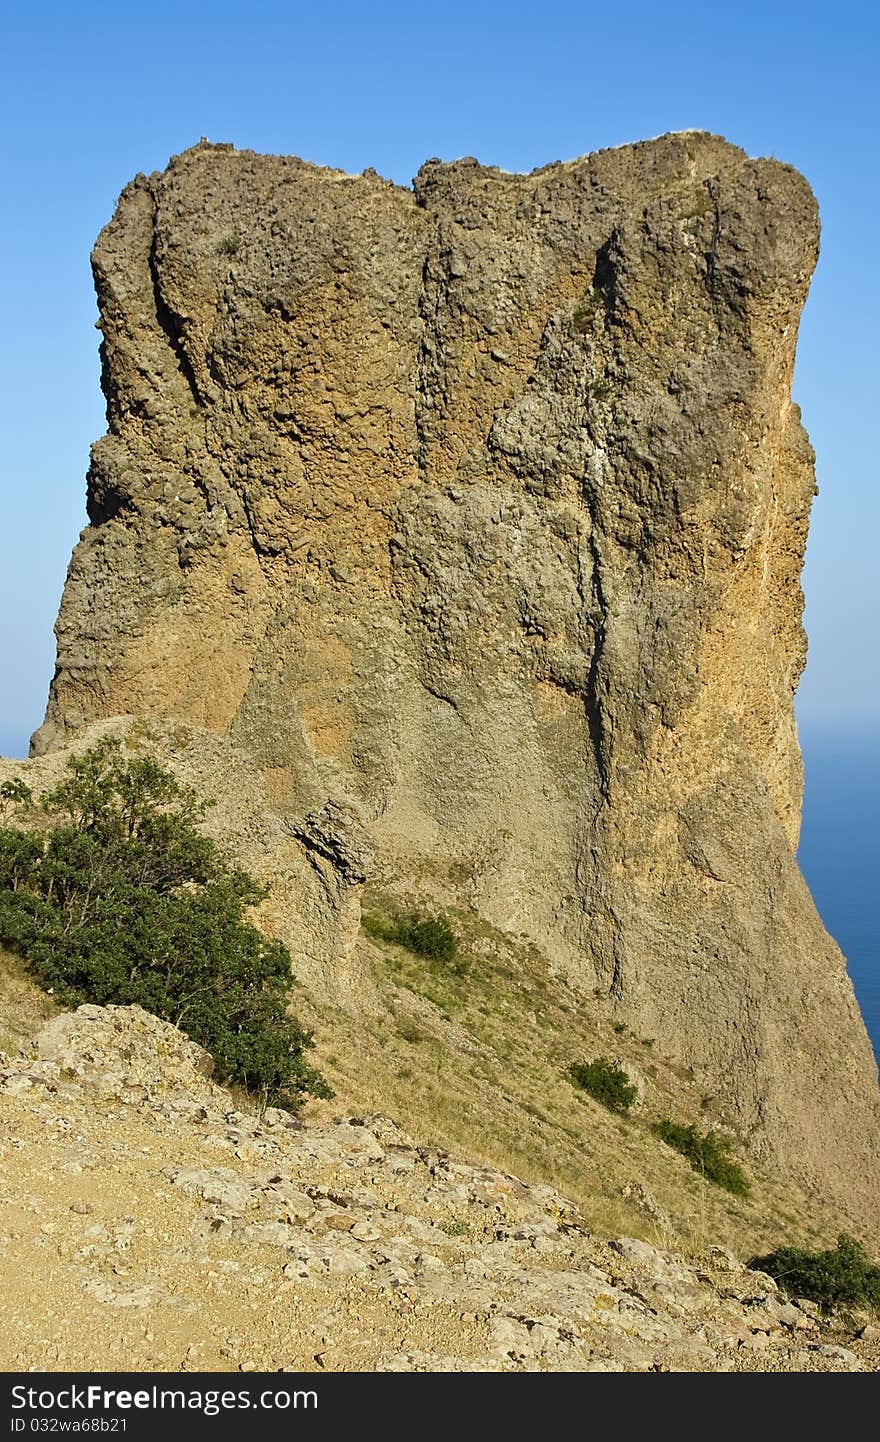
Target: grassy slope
476,1064
23,1006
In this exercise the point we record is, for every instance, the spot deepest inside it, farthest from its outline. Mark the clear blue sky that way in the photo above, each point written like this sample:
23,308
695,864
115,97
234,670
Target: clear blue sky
91,93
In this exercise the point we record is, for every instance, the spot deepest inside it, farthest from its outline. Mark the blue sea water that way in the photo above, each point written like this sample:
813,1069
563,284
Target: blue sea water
840,851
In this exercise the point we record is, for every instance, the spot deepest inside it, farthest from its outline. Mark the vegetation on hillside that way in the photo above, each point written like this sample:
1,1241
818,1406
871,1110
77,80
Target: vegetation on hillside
841,1277
605,1081
112,895
707,1152
430,937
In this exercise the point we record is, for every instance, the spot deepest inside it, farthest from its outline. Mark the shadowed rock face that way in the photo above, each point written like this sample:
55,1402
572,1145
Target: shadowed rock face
474,516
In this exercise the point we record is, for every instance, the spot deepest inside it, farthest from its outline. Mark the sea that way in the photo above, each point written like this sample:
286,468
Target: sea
839,850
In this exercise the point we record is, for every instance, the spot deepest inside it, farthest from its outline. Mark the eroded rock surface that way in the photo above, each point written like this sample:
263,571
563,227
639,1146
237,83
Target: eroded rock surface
473,516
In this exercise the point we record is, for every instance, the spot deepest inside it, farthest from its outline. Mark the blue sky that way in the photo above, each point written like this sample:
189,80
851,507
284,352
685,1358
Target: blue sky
92,93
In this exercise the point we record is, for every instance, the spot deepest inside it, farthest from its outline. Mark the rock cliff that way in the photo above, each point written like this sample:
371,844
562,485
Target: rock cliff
470,520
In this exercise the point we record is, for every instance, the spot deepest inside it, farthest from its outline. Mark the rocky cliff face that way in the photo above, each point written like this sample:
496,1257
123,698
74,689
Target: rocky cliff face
473,516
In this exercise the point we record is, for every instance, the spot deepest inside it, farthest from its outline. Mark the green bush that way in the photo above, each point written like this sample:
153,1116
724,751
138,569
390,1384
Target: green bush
14,793
708,1154
121,900
429,936
841,1277
605,1081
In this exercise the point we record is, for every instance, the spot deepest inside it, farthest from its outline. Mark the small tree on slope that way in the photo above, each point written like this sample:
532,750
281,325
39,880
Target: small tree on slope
118,898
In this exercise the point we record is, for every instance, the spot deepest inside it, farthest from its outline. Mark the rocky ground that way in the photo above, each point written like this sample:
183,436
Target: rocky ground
148,1223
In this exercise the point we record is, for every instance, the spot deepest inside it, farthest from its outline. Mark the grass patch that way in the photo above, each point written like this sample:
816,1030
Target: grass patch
24,1007
430,937
455,1229
410,1031
708,1154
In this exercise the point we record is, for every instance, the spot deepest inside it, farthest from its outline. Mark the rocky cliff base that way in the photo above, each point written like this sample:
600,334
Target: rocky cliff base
183,1233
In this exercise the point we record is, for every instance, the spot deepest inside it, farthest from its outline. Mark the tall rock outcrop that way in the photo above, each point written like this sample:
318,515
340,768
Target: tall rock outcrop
474,516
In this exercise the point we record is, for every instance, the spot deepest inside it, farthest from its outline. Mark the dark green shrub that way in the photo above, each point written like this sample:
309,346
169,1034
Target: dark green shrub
14,793
841,1277
429,936
122,900
605,1082
228,245
708,1154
